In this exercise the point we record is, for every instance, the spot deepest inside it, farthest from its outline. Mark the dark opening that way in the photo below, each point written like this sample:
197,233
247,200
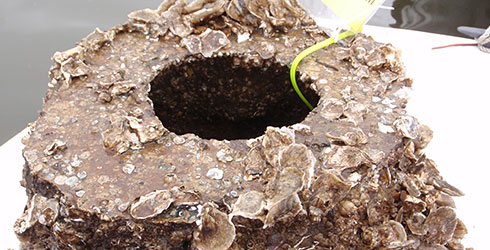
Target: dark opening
227,97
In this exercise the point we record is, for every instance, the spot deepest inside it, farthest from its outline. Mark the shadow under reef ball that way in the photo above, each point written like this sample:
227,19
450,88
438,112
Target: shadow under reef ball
227,98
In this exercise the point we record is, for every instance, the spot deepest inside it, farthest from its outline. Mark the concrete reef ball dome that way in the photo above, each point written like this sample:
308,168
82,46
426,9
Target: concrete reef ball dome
179,129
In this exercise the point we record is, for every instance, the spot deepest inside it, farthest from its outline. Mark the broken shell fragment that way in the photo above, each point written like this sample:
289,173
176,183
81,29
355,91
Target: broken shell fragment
216,230
298,156
212,41
345,157
347,208
215,173
346,132
146,16
416,224
40,209
249,205
151,204
274,141
441,225
407,126
282,210
332,108
289,181
54,147
394,234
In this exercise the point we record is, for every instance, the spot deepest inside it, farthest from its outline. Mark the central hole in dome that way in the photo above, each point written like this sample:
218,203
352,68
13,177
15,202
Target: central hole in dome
227,97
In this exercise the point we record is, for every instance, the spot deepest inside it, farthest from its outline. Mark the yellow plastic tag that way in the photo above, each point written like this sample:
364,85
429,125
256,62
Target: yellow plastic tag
354,12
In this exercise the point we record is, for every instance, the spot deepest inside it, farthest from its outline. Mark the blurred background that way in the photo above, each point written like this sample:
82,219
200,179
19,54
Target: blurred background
32,30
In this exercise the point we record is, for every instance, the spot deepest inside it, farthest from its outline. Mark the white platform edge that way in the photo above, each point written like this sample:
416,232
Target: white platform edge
13,194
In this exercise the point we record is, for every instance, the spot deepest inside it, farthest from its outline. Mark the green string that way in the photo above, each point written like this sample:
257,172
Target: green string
306,52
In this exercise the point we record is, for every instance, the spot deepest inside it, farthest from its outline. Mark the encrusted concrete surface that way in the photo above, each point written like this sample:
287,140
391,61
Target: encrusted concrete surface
179,130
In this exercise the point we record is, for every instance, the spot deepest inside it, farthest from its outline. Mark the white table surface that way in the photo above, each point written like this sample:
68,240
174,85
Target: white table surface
450,94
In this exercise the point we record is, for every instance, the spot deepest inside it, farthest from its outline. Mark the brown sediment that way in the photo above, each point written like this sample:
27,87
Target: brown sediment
179,130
